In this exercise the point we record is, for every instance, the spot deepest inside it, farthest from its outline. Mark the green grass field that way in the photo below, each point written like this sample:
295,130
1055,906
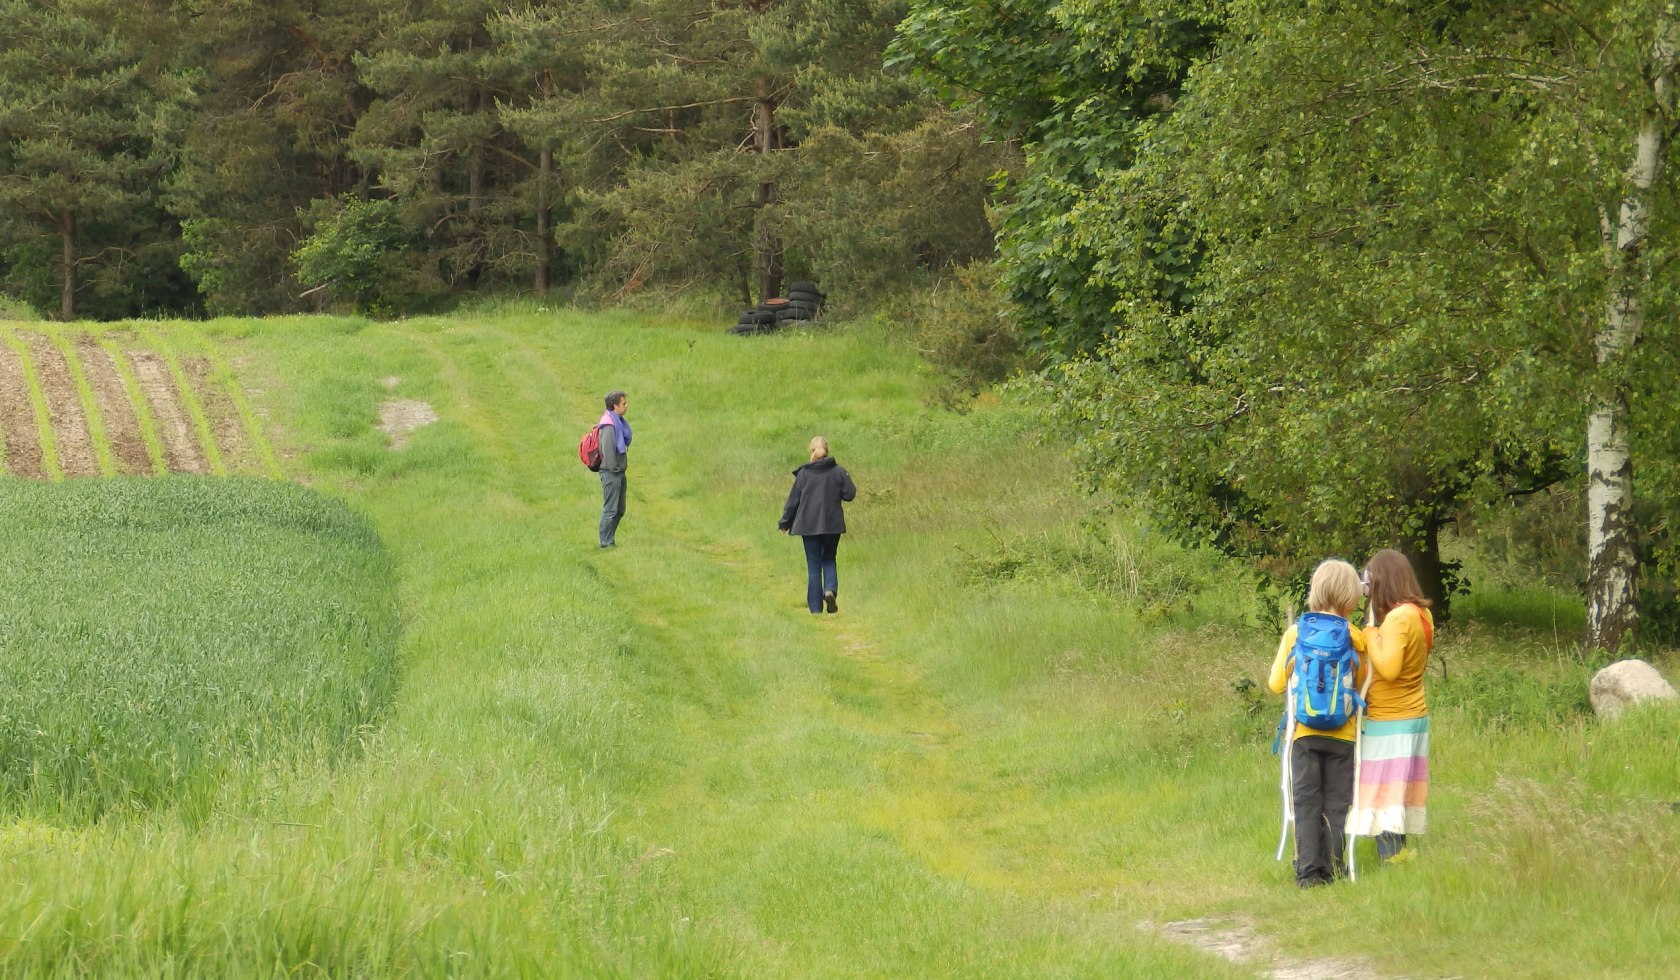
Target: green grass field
1028,742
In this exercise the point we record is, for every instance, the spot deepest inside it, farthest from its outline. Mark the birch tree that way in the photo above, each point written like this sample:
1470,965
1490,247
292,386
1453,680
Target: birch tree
1612,607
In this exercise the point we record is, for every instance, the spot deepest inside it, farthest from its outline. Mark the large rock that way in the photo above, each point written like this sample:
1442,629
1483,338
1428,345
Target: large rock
1627,682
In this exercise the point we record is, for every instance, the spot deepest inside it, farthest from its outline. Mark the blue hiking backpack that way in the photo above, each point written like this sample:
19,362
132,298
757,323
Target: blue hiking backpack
1325,682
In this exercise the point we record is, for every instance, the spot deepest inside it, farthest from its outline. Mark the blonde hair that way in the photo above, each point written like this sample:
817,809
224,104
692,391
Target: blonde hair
819,448
1335,587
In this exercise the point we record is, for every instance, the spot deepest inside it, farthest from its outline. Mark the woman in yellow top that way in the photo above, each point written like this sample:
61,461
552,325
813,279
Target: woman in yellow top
1321,762
1394,744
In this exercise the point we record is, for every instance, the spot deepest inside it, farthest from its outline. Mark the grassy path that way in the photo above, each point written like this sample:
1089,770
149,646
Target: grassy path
1021,748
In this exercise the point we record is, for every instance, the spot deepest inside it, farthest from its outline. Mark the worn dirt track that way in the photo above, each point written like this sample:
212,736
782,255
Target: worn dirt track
128,414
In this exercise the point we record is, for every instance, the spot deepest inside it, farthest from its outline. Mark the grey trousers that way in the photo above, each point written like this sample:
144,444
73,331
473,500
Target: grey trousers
1321,773
612,505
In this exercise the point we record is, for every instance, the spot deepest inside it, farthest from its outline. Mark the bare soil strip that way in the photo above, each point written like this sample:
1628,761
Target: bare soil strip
225,425
17,419
122,423
175,427
76,456
1238,942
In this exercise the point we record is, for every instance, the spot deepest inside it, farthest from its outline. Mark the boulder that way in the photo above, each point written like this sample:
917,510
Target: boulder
1627,682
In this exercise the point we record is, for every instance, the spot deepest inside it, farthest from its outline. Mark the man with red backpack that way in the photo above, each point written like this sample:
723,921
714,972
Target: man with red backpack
612,433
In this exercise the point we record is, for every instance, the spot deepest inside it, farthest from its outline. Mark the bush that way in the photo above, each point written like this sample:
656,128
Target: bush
17,309
968,333
357,248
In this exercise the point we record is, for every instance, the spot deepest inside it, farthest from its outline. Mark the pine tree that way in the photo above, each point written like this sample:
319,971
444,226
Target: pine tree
90,105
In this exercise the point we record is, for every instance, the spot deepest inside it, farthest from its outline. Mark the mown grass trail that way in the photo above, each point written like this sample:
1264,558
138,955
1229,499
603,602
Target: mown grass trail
1020,746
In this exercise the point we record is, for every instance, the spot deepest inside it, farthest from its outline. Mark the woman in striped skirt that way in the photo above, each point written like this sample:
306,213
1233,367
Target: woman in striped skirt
1393,788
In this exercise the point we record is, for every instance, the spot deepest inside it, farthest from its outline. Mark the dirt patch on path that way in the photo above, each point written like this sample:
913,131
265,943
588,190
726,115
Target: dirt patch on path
122,425
76,456
180,442
1237,941
17,419
398,417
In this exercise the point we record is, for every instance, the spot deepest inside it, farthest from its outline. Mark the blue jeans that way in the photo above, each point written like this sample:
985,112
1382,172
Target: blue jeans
822,574
612,505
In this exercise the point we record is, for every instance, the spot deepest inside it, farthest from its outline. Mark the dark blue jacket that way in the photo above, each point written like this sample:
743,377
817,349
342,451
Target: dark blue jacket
813,505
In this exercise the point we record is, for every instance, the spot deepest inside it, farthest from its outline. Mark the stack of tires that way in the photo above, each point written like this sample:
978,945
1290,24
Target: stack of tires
803,302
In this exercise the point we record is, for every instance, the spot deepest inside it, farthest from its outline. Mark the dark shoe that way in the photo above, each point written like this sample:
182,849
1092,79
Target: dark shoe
1314,882
833,605
606,546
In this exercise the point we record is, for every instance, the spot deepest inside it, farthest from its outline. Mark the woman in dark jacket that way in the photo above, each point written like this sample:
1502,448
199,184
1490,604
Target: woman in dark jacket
814,513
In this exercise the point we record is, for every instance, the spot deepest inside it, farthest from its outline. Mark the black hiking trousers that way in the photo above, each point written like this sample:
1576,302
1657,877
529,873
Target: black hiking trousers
1321,783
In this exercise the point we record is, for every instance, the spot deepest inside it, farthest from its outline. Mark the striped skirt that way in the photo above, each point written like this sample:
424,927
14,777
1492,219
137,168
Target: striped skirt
1393,788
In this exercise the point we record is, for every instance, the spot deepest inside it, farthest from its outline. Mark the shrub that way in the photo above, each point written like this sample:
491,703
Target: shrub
12,308
357,248
969,334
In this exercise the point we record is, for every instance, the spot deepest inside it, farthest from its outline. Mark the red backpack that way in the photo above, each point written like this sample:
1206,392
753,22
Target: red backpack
589,449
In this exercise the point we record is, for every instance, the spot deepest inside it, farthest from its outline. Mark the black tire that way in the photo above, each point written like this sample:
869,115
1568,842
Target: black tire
810,308
758,316
810,294
786,315
802,286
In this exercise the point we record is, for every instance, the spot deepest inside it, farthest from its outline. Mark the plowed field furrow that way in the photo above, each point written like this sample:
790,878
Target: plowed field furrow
17,419
76,456
122,423
231,438
174,425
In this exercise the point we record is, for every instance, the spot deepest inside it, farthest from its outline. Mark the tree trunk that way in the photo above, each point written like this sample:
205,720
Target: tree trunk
1612,559
67,265
767,245
1425,556
545,230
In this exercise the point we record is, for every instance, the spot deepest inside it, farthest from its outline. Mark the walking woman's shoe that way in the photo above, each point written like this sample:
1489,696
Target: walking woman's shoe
833,605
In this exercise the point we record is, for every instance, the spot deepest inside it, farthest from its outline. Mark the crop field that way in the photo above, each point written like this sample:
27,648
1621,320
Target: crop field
314,668
160,636
78,403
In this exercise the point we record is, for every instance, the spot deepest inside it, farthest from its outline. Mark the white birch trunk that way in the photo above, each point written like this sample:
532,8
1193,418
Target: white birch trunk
1612,561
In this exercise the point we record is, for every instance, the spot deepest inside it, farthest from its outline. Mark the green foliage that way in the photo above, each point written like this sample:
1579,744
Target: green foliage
1353,311
161,635
277,92
1079,85
12,308
968,334
358,247
89,123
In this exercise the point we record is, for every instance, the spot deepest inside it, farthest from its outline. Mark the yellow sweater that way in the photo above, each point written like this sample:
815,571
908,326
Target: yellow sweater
1400,652
1283,665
